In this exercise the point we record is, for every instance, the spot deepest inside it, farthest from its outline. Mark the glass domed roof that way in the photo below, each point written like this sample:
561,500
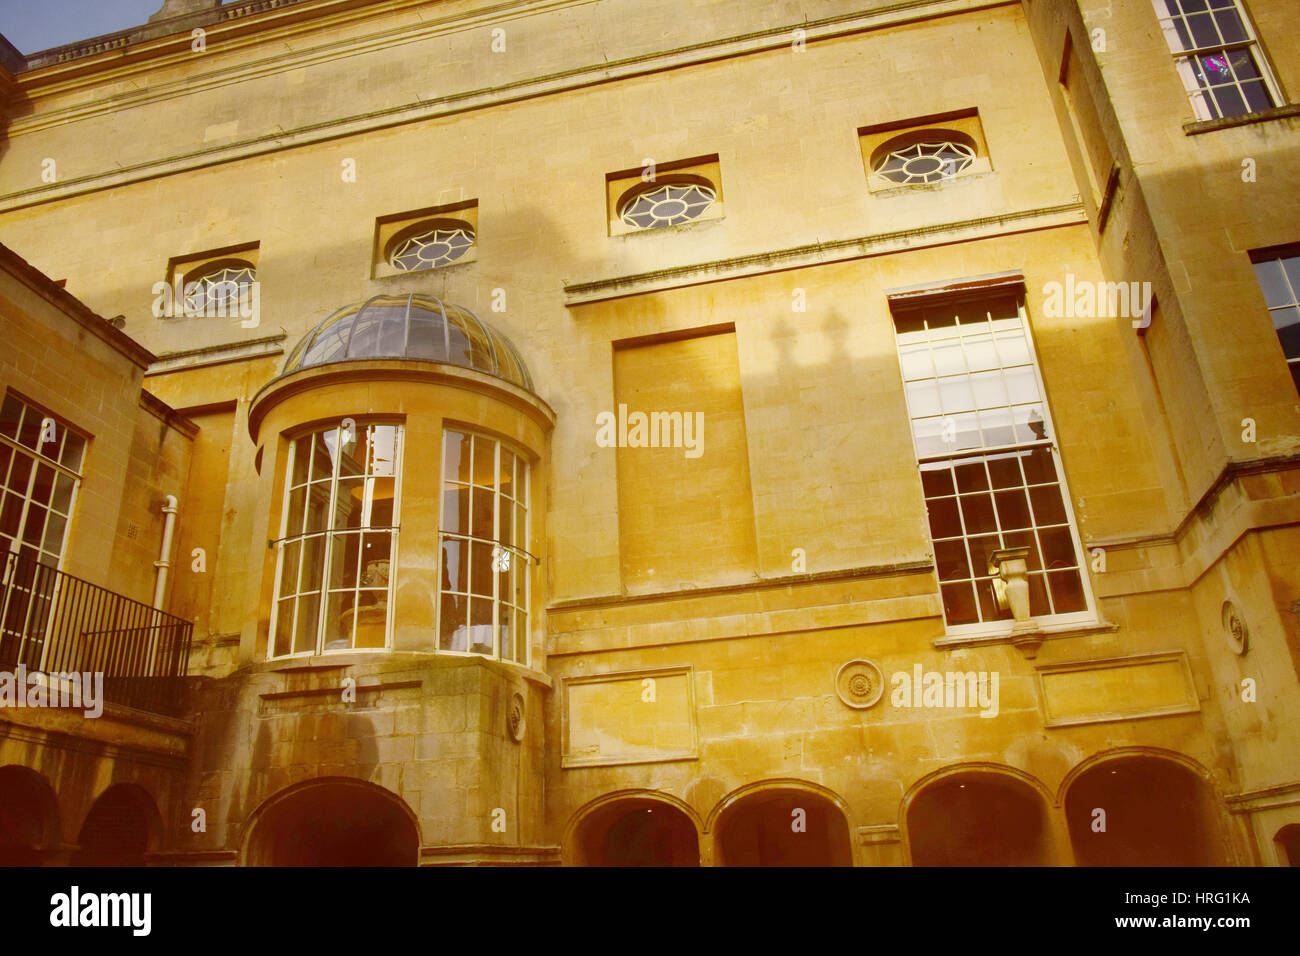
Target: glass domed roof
414,326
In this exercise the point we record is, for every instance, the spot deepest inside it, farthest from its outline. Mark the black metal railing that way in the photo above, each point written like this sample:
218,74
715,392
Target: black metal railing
53,622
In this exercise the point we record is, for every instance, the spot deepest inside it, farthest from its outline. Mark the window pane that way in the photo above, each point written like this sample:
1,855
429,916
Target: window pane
382,461
481,523
506,481
339,620
308,619
43,486
453,630
454,577
1067,591
945,521
521,637
455,509
61,497
959,603
344,561
950,560
971,476
936,480
480,574
283,627
480,626
74,447
1047,504
290,554
505,632
484,462
301,460
54,528
11,413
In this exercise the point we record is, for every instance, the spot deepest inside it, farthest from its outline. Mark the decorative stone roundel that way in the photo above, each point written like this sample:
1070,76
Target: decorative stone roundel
1234,629
859,684
515,717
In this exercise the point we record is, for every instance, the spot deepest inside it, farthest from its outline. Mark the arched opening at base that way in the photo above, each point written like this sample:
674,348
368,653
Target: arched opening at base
636,831
1142,811
334,823
29,816
783,827
1287,842
122,826
978,819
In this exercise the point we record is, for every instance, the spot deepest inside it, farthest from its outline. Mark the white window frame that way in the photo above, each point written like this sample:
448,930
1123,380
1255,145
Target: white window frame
519,552
9,553
1183,61
981,629
331,535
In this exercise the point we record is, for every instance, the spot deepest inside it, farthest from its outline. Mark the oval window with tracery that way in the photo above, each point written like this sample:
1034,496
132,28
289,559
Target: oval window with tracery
925,162
432,245
219,288
667,204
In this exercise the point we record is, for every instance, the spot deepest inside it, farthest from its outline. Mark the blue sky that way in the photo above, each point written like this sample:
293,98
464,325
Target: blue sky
33,25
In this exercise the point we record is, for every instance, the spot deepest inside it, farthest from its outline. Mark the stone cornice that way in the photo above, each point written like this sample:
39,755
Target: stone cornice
394,371
821,253
783,581
601,71
67,303
263,347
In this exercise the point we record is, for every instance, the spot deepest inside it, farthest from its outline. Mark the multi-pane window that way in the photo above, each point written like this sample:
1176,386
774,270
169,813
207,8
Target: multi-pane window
483,606
925,162
441,243
1218,57
988,465
670,204
40,468
1279,278
220,288
338,540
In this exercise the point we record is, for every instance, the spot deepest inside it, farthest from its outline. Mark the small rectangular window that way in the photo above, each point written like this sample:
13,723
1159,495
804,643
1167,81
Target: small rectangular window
1218,57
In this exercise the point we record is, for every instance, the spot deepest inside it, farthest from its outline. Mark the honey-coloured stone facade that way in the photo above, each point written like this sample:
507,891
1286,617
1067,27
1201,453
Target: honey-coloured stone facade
738,650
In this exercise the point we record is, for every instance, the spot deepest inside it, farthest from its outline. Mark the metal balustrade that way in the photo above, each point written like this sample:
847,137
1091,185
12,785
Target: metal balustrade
52,622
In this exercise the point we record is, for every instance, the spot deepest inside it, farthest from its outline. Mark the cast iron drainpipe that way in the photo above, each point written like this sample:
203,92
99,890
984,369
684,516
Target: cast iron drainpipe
170,509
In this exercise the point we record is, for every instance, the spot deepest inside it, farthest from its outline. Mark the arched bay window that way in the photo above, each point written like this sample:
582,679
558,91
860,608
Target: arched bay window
338,540
483,600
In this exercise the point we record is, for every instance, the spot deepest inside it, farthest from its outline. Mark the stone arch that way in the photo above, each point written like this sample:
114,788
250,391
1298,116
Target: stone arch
633,828
781,822
122,826
332,821
1287,843
978,814
29,816
1159,808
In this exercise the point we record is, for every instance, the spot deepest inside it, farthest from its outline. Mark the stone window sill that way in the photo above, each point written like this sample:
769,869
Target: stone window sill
1029,640
1245,119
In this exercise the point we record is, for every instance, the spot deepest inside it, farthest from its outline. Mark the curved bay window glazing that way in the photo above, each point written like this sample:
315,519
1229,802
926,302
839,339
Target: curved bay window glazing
483,604
338,540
